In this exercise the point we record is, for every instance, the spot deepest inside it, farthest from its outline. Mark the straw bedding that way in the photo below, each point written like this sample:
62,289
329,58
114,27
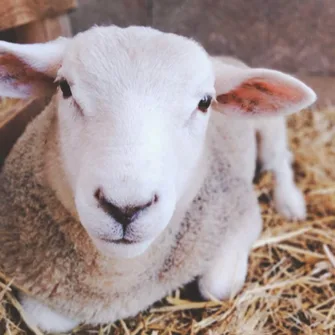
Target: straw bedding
6,106
291,282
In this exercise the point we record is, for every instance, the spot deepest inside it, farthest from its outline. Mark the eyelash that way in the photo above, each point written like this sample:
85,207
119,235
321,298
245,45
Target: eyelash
77,107
73,102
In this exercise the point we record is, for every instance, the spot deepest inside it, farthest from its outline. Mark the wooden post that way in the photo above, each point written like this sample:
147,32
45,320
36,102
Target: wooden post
20,12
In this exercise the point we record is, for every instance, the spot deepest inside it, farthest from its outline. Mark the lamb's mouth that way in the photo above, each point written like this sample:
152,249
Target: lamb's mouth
119,241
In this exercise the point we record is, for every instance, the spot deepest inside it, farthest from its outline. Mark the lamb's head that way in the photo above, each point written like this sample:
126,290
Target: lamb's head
133,109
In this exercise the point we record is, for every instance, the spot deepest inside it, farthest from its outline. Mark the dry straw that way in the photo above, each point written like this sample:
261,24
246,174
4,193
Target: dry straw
291,282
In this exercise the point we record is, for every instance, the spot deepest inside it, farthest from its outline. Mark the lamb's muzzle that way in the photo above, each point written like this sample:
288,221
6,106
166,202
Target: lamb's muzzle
123,215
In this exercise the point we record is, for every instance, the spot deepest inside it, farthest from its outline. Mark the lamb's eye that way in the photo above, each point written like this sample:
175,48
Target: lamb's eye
204,103
65,87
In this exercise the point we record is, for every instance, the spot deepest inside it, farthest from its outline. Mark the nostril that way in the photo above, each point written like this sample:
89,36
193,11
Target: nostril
155,199
98,194
123,215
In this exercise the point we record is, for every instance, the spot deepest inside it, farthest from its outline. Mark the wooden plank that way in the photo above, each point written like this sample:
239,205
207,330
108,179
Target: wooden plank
19,12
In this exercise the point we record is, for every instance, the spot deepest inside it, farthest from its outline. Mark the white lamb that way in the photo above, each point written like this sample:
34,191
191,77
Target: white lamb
137,177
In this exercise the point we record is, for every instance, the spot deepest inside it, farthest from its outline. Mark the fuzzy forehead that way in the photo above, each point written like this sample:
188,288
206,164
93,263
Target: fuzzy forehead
138,56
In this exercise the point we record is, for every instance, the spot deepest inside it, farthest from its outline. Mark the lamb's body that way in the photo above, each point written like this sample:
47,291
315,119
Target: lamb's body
48,252
131,182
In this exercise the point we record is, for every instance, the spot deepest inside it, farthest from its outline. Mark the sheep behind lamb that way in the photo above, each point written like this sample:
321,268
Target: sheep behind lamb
137,177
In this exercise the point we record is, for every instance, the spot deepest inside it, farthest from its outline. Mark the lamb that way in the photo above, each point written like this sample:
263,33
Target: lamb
137,177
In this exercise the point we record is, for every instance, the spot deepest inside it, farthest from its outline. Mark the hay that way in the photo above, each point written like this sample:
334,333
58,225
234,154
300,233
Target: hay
291,281
6,108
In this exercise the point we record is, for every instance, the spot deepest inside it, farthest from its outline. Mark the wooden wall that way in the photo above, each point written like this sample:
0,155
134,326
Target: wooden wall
290,35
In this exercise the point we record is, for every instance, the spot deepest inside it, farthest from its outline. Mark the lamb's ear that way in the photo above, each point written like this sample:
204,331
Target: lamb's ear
29,69
259,92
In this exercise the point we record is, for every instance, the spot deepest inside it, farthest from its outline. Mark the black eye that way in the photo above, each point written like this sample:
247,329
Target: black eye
65,87
204,103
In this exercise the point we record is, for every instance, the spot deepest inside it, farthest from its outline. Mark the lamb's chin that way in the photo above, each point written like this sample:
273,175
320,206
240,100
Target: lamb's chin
121,250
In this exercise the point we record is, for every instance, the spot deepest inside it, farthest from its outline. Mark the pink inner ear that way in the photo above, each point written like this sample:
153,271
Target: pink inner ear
13,68
261,95
19,75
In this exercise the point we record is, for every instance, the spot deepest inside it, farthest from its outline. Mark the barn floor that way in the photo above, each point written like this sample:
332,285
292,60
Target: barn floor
291,282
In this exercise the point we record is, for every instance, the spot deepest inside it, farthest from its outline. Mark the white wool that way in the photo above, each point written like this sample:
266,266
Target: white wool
132,129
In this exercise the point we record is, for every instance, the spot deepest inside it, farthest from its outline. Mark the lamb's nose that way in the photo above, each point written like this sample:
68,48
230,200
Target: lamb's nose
123,215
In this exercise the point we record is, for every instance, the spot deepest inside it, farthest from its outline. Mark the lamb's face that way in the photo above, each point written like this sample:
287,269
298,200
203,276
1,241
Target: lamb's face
133,109
133,113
